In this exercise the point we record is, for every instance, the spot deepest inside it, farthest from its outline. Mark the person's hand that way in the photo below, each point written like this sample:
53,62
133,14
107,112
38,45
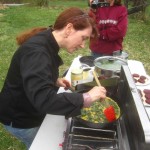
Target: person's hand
97,93
92,11
62,82
90,1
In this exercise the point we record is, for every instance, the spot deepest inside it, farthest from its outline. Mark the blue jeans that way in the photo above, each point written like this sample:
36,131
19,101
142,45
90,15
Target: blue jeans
25,135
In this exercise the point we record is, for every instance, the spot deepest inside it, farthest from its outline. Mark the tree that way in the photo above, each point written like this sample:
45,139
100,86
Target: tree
141,4
42,3
135,6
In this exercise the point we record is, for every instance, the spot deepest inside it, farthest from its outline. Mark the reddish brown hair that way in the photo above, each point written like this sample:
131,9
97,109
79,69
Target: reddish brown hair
76,16
27,34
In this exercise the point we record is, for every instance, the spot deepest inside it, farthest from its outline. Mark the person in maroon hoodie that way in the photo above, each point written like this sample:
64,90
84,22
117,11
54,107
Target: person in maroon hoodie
112,22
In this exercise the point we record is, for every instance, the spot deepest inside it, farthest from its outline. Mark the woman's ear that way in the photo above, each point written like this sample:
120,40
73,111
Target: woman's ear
69,28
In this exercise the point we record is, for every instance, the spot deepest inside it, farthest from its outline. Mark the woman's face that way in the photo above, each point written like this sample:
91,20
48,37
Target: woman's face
77,39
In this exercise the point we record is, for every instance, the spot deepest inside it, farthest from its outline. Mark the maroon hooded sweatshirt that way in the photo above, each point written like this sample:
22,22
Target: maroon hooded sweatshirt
112,25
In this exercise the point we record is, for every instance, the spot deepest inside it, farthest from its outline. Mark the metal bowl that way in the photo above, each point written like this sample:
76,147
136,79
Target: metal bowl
108,66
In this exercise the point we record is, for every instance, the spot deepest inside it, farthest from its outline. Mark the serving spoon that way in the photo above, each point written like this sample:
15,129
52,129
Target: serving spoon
109,111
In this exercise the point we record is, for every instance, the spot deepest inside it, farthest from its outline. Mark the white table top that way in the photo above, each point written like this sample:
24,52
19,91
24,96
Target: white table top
50,134
137,67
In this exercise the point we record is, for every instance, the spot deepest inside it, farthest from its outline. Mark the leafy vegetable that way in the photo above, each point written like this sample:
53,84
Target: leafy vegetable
95,113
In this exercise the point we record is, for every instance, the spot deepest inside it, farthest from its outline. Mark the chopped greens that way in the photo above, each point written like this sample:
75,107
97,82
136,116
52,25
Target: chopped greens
95,113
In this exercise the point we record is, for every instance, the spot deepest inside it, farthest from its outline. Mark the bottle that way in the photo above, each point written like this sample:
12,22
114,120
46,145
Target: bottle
76,75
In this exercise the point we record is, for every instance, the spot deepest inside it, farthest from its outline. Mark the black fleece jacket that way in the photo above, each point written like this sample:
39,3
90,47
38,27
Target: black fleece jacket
29,91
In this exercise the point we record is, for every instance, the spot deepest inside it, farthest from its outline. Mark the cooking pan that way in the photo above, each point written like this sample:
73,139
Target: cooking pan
88,60
96,125
83,89
109,66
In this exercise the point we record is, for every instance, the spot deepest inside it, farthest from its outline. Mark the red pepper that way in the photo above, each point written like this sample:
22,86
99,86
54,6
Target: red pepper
109,113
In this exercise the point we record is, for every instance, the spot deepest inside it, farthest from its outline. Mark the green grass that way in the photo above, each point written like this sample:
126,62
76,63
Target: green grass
8,142
13,20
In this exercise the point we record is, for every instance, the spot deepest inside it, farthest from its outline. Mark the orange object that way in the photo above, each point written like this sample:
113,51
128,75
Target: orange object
109,113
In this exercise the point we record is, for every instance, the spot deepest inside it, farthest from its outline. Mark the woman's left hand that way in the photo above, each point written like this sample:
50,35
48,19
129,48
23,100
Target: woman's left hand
62,82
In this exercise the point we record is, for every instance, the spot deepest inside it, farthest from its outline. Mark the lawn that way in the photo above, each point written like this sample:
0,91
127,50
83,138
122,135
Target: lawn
13,20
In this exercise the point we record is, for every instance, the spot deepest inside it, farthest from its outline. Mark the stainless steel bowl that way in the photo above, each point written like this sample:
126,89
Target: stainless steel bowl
108,66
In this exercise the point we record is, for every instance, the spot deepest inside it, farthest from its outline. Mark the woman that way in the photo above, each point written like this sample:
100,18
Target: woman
30,88
112,27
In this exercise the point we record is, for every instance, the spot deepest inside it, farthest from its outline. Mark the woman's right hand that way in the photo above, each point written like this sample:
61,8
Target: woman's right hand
97,93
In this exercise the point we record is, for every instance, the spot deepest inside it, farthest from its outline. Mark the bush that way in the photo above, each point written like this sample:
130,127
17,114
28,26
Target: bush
10,1
41,2
35,2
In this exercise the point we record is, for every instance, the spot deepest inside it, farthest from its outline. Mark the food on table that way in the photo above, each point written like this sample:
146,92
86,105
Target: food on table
95,113
148,101
142,77
139,78
136,75
146,91
145,95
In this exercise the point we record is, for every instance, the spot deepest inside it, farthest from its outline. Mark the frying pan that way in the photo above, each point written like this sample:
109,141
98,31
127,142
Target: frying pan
92,124
89,60
97,125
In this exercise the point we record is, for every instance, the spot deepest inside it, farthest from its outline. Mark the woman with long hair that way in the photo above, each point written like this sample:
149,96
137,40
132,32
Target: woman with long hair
32,81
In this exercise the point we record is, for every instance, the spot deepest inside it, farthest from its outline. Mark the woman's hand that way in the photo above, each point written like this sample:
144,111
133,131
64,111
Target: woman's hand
62,82
97,93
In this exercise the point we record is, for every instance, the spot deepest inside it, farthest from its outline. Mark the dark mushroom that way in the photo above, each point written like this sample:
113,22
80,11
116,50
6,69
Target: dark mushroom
135,75
146,91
